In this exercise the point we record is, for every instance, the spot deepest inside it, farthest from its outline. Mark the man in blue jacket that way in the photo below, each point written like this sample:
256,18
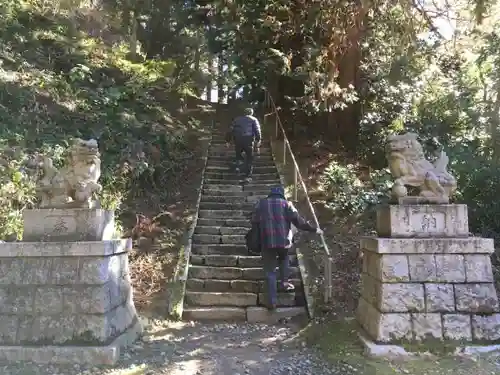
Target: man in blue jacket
245,132
274,216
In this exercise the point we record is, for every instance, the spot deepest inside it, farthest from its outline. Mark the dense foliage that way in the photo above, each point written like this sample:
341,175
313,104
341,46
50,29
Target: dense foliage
350,71
58,82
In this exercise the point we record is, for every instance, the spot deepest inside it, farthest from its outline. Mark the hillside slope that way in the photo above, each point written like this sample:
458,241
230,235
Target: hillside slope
58,82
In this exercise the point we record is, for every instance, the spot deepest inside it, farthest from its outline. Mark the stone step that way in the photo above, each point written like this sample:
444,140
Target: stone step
232,261
225,199
221,249
235,299
233,273
224,214
247,286
243,206
226,166
219,239
241,182
220,230
255,314
214,313
224,222
231,155
222,144
259,188
219,137
231,176
216,192
230,159
250,186
284,299
222,148
220,299
223,187
235,191
247,196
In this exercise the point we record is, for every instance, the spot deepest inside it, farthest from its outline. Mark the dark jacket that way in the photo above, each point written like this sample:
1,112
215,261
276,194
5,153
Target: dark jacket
244,126
275,215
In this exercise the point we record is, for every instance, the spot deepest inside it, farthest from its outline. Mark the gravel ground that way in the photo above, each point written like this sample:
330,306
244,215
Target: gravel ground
194,348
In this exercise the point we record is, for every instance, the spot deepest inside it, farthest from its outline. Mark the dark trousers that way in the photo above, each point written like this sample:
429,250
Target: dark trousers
244,144
273,258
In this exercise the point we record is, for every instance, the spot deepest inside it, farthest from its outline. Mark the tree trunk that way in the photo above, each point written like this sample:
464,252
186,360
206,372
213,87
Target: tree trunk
349,74
495,123
133,36
210,78
220,78
197,58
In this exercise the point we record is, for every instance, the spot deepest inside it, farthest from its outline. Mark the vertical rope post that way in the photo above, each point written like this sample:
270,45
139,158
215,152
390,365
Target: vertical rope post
295,188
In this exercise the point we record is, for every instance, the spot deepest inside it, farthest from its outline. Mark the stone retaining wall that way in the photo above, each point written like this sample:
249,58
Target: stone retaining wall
439,287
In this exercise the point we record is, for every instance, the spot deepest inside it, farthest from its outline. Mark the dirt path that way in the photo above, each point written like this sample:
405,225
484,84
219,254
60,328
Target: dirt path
205,349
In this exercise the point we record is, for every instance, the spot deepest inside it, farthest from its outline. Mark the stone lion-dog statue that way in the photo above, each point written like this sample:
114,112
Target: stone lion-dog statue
76,183
409,167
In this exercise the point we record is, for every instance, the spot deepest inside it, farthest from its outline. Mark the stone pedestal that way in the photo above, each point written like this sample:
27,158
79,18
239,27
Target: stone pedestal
424,278
78,224
66,302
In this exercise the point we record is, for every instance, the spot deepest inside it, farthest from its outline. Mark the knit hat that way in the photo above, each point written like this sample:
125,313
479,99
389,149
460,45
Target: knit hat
277,190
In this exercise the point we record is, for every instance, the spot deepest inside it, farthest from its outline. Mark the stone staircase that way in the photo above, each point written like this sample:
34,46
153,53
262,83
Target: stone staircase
224,282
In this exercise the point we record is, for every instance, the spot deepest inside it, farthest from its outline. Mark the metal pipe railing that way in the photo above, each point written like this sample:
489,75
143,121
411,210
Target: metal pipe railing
328,293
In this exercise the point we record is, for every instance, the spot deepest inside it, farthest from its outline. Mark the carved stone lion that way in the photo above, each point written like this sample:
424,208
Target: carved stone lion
409,167
76,183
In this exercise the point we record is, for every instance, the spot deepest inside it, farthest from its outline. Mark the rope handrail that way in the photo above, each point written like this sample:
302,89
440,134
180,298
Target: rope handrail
274,110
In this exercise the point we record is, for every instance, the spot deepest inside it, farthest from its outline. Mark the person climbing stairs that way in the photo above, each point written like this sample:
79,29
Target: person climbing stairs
224,281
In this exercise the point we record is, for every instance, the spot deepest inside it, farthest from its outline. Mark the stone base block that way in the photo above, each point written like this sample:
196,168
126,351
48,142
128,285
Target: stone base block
389,351
398,327
71,250
470,245
486,327
384,327
58,293
442,268
83,355
442,220
393,297
68,328
395,327
68,224
472,298
417,200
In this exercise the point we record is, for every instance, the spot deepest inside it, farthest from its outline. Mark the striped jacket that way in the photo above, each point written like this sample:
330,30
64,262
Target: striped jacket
274,215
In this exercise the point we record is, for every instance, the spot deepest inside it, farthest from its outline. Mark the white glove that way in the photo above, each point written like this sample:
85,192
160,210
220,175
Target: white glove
319,231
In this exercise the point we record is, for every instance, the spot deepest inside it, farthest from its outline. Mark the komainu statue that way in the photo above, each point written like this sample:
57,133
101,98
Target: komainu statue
75,184
410,168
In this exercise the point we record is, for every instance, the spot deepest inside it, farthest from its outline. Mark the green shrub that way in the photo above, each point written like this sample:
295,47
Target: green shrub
348,194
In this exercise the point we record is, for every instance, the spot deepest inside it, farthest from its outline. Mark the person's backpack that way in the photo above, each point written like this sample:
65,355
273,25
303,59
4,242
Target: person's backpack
252,239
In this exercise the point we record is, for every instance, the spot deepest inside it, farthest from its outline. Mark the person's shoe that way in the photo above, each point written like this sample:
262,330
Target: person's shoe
237,169
248,179
287,287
